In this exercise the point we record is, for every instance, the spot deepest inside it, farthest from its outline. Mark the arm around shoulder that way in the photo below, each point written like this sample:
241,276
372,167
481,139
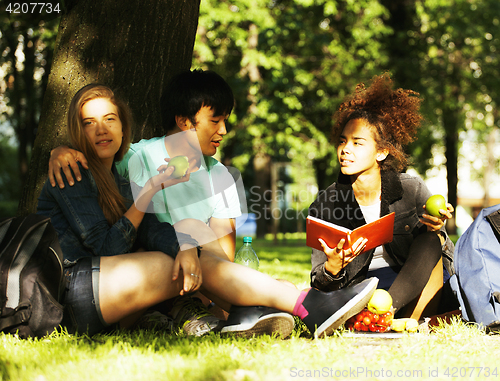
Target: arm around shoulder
63,162
80,207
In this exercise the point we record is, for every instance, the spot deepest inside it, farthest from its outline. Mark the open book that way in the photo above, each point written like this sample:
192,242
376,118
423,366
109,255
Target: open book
378,232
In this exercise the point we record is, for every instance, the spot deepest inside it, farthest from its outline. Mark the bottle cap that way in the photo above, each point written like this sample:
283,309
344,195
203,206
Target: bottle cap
247,239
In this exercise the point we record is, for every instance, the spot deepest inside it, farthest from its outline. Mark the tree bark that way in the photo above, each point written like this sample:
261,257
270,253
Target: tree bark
450,123
133,46
262,173
489,170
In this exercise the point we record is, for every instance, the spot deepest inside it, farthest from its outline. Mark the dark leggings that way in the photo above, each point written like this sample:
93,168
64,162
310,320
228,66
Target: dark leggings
424,254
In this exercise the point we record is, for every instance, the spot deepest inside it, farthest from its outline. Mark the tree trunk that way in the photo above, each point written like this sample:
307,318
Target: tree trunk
26,129
133,46
450,123
404,56
321,166
489,171
261,159
262,174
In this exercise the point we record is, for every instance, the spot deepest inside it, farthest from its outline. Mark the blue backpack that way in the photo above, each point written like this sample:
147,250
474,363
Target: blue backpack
476,281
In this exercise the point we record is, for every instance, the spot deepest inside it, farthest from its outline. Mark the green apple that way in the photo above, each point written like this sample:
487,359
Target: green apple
380,302
434,203
181,165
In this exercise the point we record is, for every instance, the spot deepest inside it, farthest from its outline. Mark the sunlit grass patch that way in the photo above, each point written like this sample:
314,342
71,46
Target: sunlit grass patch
144,355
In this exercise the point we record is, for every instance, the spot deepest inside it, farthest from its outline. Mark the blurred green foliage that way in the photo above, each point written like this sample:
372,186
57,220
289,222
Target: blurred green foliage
27,42
291,62
9,178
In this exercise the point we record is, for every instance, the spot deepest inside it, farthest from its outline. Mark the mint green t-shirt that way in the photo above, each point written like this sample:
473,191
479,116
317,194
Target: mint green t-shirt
210,192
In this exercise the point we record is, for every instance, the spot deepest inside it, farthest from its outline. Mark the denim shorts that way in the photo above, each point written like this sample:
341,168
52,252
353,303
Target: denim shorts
385,275
82,312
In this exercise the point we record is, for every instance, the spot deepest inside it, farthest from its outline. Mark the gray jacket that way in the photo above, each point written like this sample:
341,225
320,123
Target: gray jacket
401,193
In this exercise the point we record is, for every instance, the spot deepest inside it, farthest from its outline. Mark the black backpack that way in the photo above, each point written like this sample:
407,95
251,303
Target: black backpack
31,276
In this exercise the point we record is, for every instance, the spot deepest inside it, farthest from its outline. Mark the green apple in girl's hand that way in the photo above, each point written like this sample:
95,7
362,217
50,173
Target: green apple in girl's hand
181,165
434,203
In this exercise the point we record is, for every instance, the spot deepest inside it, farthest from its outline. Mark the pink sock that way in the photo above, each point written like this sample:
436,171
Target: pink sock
299,310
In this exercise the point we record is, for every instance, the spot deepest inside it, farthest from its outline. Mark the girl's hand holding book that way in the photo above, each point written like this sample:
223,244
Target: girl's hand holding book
338,257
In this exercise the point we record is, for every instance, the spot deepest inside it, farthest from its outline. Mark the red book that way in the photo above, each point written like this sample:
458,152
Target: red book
378,232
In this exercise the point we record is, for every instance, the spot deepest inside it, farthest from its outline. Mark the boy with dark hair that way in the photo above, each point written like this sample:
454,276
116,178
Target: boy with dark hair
189,91
195,106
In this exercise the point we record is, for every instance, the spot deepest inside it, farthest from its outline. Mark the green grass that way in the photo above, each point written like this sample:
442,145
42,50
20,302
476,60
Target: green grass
450,350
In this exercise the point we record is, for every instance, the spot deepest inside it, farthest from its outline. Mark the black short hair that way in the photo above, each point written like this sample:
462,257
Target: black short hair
188,91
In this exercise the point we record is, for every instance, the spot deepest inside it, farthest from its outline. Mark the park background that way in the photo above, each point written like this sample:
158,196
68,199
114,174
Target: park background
289,62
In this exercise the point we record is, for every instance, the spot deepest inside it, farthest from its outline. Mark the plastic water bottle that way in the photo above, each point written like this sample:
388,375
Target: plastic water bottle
246,255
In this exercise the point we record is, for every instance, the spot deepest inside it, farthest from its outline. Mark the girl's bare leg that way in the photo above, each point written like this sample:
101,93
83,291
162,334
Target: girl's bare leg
130,283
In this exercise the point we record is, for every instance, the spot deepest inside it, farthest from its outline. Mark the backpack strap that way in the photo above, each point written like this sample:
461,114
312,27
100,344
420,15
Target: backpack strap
494,220
15,317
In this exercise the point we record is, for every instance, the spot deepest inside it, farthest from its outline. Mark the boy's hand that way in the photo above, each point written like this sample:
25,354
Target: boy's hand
66,159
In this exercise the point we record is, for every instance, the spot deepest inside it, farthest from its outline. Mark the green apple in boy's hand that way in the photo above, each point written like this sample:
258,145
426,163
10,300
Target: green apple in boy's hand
181,165
434,203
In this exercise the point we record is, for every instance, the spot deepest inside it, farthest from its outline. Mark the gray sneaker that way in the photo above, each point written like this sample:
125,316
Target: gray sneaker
192,316
154,321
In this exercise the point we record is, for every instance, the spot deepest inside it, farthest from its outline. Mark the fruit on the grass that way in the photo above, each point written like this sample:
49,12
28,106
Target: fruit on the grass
434,203
411,325
398,325
387,317
380,302
404,324
368,321
181,165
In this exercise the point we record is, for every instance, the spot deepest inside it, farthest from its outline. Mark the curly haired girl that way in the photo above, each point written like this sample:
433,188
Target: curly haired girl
373,126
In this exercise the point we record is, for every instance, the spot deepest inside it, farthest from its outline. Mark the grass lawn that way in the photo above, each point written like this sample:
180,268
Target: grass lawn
453,351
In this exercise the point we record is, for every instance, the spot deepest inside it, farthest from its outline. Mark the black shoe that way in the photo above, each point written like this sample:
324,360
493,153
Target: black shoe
329,310
257,320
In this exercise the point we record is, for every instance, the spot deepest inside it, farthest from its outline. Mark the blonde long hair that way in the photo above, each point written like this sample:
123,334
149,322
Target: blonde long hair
110,200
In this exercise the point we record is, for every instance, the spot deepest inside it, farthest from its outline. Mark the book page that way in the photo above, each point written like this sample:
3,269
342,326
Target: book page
378,232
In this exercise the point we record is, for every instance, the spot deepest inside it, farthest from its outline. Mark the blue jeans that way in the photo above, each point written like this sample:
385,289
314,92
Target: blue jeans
82,312
385,275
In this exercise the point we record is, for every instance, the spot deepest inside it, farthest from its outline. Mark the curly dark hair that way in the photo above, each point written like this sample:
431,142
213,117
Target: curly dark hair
393,114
